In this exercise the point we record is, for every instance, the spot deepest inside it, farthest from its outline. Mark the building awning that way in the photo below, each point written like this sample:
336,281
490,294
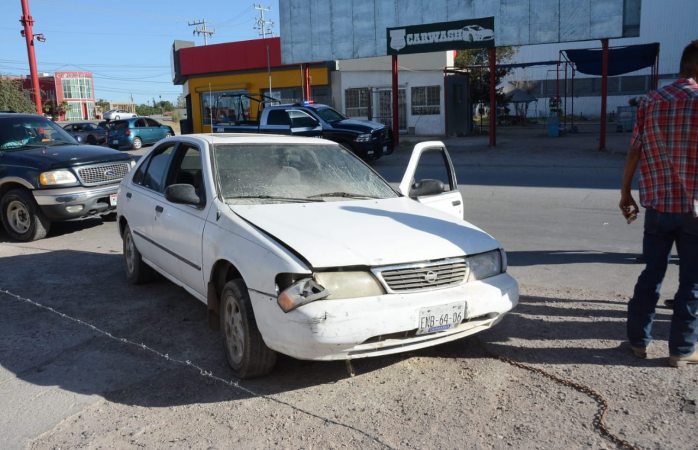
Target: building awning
620,59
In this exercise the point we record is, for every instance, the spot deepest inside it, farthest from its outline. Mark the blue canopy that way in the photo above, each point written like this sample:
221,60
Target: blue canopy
620,59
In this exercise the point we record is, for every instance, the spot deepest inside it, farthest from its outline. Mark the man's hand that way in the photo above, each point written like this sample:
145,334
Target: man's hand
628,207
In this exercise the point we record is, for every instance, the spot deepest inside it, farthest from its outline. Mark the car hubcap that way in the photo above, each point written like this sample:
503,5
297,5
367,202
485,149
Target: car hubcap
234,335
137,143
129,253
18,217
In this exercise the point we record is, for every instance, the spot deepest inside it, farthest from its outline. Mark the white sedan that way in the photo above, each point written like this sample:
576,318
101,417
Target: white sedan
298,247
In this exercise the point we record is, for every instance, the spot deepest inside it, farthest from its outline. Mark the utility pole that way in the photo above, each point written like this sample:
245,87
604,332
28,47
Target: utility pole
263,25
28,21
205,31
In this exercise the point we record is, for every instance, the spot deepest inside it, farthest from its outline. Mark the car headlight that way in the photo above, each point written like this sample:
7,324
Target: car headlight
485,265
328,286
300,293
133,164
349,284
363,138
54,177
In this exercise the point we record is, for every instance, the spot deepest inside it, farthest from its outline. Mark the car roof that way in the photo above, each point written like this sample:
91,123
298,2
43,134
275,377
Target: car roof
252,138
23,115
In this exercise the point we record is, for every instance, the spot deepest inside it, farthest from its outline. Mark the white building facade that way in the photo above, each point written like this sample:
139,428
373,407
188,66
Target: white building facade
361,88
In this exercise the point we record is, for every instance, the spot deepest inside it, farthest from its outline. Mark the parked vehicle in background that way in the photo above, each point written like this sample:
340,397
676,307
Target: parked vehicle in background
135,133
47,176
367,139
87,132
298,247
117,114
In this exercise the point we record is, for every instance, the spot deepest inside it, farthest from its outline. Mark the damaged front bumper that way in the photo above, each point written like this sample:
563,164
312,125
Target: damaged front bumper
374,326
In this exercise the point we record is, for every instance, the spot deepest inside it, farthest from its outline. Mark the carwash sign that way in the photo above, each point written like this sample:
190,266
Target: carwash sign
433,37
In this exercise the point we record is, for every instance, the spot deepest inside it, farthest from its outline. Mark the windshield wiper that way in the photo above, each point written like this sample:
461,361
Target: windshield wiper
274,197
342,194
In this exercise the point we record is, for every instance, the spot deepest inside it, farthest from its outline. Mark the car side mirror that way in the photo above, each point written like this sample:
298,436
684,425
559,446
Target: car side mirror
426,187
182,193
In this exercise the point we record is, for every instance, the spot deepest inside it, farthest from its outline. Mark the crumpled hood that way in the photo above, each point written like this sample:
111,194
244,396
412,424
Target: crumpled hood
367,232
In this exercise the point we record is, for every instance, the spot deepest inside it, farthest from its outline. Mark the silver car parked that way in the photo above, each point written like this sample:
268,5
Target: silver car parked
117,114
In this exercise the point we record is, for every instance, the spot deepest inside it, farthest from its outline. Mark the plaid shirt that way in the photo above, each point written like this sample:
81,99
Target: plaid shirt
666,131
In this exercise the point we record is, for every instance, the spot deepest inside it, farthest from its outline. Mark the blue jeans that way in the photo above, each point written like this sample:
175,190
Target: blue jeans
662,230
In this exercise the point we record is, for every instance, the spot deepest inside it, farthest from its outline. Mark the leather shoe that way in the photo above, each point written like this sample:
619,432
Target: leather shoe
639,352
680,361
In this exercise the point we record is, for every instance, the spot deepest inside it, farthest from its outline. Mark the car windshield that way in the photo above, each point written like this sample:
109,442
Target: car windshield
19,133
329,115
285,173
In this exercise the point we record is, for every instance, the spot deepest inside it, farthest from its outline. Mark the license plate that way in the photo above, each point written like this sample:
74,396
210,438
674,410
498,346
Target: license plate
112,199
115,141
440,318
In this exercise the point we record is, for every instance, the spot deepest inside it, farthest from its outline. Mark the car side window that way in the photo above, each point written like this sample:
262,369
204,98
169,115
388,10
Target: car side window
154,175
186,168
278,117
301,119
140,123
433,164
151,123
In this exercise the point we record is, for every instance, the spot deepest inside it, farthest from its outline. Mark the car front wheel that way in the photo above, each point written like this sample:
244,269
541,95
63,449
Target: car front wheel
245,349
21,217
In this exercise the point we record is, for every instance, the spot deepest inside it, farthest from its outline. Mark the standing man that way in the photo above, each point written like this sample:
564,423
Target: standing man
665,144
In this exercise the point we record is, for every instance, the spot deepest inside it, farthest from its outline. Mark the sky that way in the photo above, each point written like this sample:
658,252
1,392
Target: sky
126,44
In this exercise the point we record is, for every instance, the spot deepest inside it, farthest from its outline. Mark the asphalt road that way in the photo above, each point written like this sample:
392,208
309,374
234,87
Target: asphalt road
87,360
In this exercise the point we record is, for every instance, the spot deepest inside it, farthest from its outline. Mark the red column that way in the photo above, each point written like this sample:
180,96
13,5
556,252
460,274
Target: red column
396,124
28,23
493,100
306,76
604,92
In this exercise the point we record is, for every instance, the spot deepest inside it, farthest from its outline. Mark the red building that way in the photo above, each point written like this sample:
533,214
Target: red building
74,88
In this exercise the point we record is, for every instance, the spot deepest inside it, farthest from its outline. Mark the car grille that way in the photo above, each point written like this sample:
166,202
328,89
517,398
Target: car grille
423,276
103,173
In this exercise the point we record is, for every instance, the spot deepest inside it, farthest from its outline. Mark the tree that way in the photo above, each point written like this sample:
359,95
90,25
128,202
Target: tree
480,74
103,105
181,101
14,98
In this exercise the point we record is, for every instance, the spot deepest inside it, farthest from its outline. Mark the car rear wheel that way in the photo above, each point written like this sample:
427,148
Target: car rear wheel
245,349
91,140
21,217
137,272
117,117
168,135
137,143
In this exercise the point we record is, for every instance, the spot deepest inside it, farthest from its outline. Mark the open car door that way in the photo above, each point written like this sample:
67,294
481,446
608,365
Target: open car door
430,178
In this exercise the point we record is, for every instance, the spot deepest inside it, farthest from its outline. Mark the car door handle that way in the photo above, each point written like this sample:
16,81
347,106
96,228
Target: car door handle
455,202
128,195
159,209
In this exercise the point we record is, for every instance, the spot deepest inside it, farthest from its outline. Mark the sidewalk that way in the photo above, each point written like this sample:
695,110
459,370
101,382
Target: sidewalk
531,146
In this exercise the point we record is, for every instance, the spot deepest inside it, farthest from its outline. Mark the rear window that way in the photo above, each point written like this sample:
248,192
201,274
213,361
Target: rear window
119,125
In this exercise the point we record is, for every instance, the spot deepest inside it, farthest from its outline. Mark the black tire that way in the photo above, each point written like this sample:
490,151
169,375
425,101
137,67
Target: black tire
21,216
137,272
91,140
245,349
